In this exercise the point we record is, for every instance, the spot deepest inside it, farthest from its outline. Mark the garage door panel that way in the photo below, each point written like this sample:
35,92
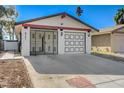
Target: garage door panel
74,42
118,45
74,49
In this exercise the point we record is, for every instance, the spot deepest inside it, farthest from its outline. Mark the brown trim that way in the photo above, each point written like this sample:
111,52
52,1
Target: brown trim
54,27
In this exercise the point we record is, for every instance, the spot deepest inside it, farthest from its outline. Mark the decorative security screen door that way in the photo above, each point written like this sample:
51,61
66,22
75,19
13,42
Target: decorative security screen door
43,42
50,41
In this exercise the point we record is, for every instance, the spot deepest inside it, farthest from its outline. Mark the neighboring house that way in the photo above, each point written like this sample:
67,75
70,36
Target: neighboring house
55,34
109,39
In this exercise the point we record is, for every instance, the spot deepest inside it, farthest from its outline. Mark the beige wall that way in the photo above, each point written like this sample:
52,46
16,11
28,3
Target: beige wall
117,39
117,42
57,20
101,43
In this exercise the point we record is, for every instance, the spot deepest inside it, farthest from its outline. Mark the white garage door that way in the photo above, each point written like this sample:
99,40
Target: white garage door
74,42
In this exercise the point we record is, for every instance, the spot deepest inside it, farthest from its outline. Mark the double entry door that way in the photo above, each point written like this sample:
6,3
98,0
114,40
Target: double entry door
43,42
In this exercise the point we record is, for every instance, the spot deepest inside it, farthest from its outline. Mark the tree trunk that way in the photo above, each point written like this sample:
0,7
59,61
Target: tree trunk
10,36
13,33
13,36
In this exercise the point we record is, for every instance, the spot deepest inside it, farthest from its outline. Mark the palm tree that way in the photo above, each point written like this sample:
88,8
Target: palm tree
119,17
79,11
8,16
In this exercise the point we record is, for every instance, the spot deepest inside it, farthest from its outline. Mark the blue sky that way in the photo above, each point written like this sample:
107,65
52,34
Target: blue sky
97,16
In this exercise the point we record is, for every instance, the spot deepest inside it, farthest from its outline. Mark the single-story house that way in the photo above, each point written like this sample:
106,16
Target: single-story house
59,33
109,39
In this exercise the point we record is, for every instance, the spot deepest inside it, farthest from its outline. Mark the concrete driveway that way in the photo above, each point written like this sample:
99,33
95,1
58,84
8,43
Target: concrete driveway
76,64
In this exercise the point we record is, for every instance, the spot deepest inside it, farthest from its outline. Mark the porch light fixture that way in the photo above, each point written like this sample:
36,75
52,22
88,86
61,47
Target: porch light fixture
61,29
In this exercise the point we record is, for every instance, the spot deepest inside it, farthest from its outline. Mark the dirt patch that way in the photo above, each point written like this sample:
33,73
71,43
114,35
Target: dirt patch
13,74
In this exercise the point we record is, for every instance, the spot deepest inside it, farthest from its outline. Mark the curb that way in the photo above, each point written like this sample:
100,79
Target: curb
109,56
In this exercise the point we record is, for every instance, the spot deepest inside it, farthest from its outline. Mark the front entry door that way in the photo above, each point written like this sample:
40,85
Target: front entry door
43,42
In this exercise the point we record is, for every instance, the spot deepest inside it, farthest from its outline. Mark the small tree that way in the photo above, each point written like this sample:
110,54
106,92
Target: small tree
119,17
8,17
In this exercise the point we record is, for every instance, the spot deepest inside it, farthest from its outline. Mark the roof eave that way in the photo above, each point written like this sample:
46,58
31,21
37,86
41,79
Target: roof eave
55,27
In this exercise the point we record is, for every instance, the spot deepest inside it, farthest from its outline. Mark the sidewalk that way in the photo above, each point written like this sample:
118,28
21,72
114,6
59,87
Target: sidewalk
112,56
118,54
